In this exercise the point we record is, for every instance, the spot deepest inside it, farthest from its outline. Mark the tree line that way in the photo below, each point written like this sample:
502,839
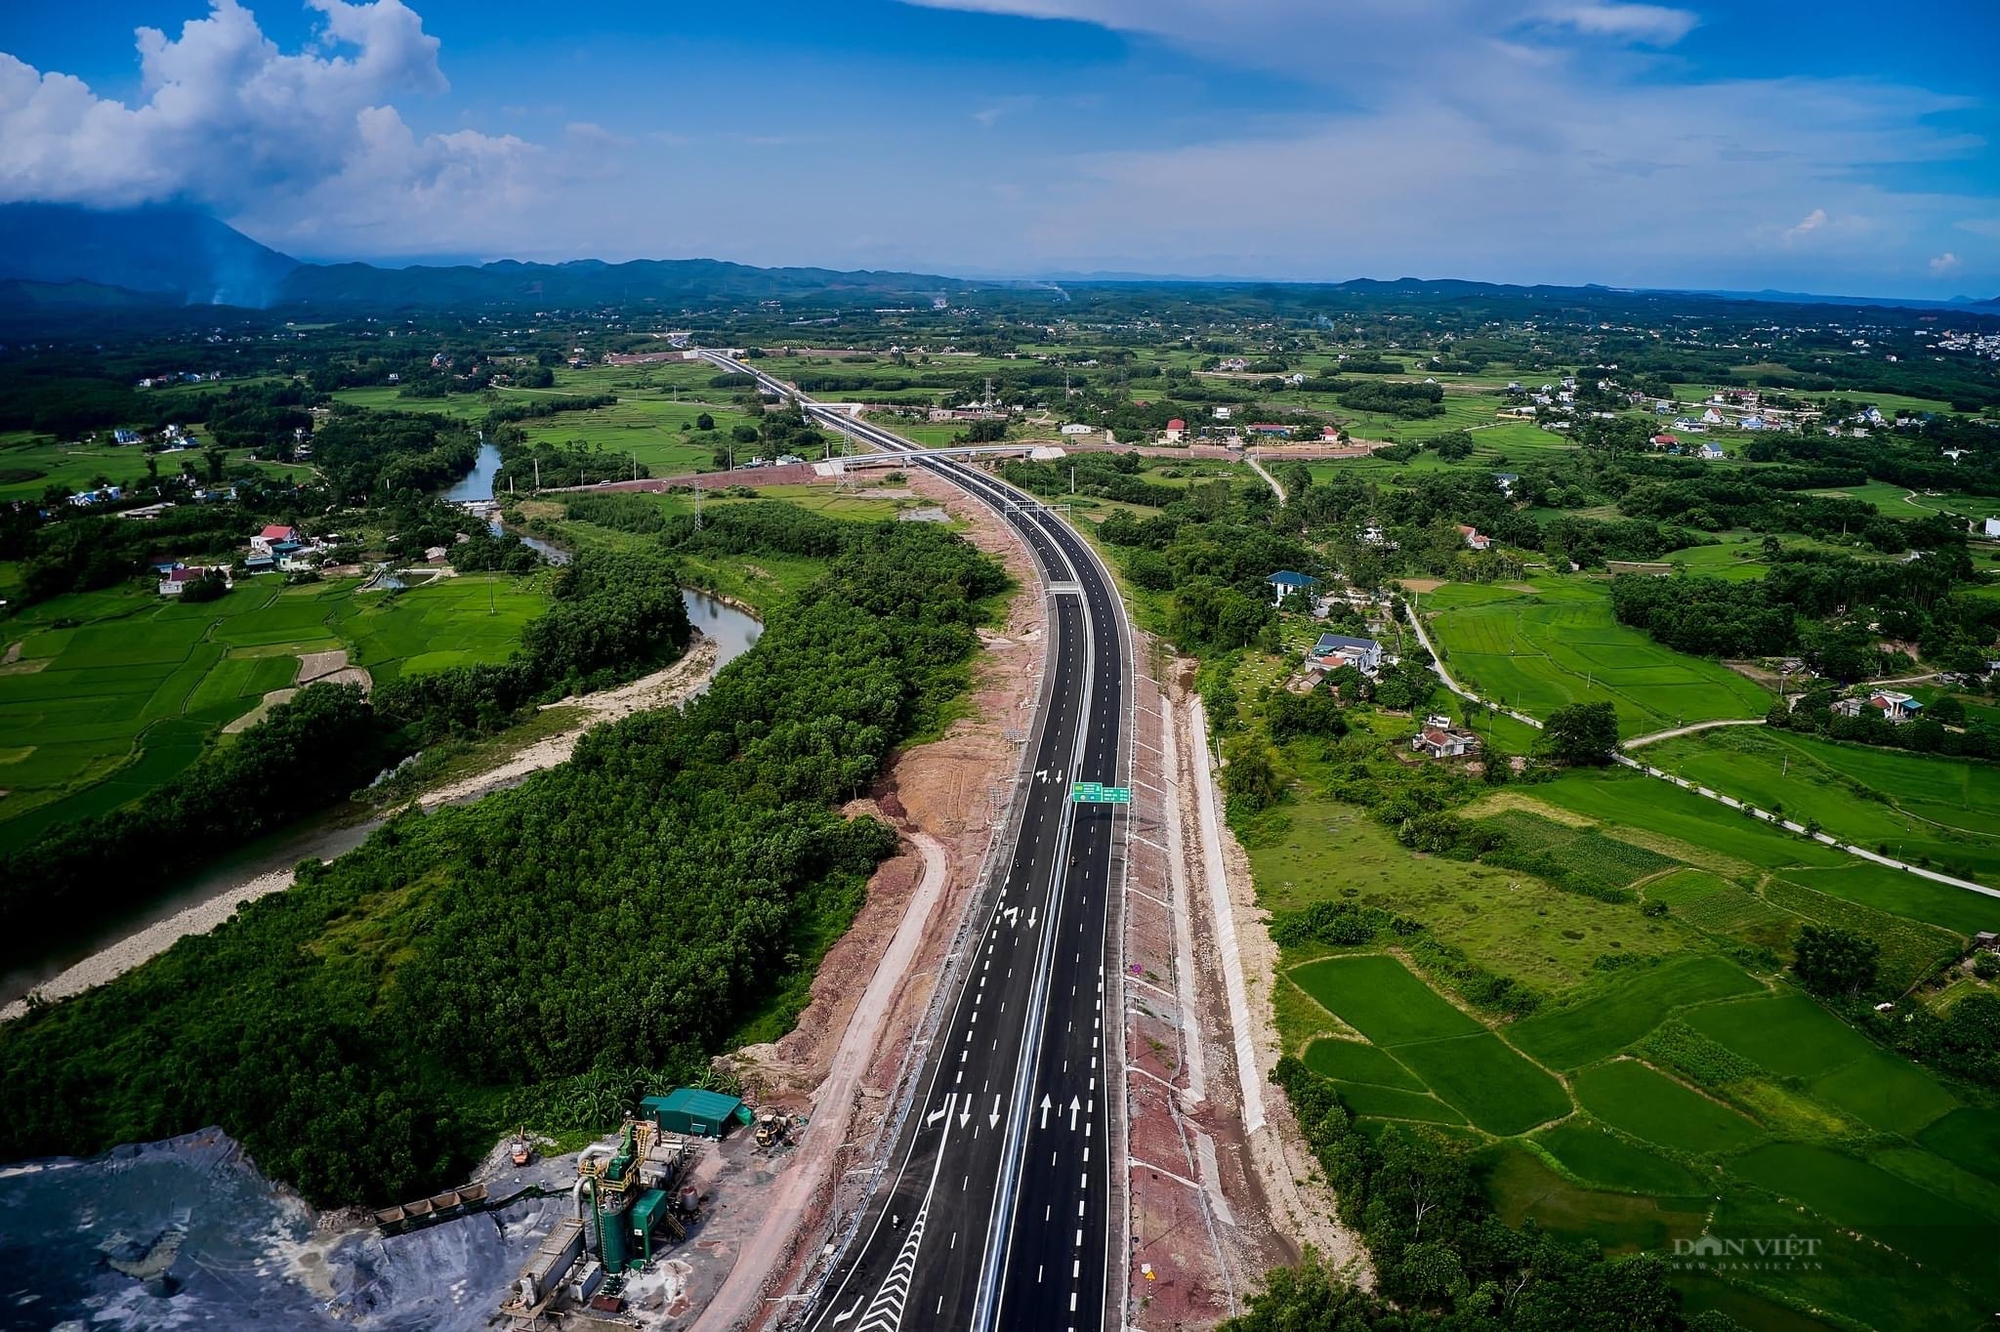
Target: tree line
363,1032
613,615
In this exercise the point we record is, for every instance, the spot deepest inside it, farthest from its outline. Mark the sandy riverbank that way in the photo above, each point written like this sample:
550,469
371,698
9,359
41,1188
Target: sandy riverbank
664,688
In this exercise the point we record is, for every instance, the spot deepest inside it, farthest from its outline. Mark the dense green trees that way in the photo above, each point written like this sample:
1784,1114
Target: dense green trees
368,456
1819,604
1582,734
1831,960
630,909
1411,402
614,614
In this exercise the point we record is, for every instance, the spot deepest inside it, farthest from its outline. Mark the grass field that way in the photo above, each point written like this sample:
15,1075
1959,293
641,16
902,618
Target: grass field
1650,1106
1358,1061
645,425
1929,811
1656,1102
1379,998
116,692
1542,645
1508,921
1605,1023
1604,1160
30,464
1488,1081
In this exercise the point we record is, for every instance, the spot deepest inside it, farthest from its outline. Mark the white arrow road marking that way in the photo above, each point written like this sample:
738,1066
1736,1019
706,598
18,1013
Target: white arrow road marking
993,1120
1031,918
1045,1109
1074,1106
942,1112
885,1311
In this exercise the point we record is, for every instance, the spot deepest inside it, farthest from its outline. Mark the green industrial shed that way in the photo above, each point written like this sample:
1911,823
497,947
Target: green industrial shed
694,1112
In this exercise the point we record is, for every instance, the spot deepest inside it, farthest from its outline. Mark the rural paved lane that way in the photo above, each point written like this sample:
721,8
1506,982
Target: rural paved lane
1639,740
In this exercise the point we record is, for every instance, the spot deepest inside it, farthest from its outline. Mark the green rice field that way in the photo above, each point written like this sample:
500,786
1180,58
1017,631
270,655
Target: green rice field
1544,644
114,693
1918,806
1682,1091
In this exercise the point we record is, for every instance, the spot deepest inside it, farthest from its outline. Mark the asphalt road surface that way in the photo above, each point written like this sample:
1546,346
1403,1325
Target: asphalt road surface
997,1210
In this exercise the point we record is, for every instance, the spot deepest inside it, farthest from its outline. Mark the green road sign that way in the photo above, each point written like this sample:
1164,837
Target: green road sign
1096,793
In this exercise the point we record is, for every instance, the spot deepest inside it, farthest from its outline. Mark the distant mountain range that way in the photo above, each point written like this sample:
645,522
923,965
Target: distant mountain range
58,260
158,251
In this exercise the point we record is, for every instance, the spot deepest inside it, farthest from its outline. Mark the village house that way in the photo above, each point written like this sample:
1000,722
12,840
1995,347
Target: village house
1288,580
276,534
1666,441
1506,481
1473,537
1077,428
1439,740
1894,707
1222,413
1176,430
176,579
1709,450
1333,651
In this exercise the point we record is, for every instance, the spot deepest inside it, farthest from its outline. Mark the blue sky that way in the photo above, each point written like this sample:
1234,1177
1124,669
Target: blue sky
1826,147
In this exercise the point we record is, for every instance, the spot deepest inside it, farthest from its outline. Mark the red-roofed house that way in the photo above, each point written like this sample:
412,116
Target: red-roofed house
1176,430
1439,740
264,540
1665,441
1473,538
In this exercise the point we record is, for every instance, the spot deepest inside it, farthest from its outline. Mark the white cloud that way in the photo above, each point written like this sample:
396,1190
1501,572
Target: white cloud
1945,265
1655,25
1808,224
229,120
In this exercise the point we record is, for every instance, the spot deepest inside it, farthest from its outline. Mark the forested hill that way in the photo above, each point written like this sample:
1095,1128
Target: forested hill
586,283
539,956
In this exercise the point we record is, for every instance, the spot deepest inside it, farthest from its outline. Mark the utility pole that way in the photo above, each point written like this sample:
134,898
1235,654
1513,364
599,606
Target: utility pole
538,474
697,508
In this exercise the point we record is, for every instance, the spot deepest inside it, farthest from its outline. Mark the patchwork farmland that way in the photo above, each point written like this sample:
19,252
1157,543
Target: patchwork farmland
108,695
1652,1075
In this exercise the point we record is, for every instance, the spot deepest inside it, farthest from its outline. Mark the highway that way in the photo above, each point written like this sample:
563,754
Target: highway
1000,1204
